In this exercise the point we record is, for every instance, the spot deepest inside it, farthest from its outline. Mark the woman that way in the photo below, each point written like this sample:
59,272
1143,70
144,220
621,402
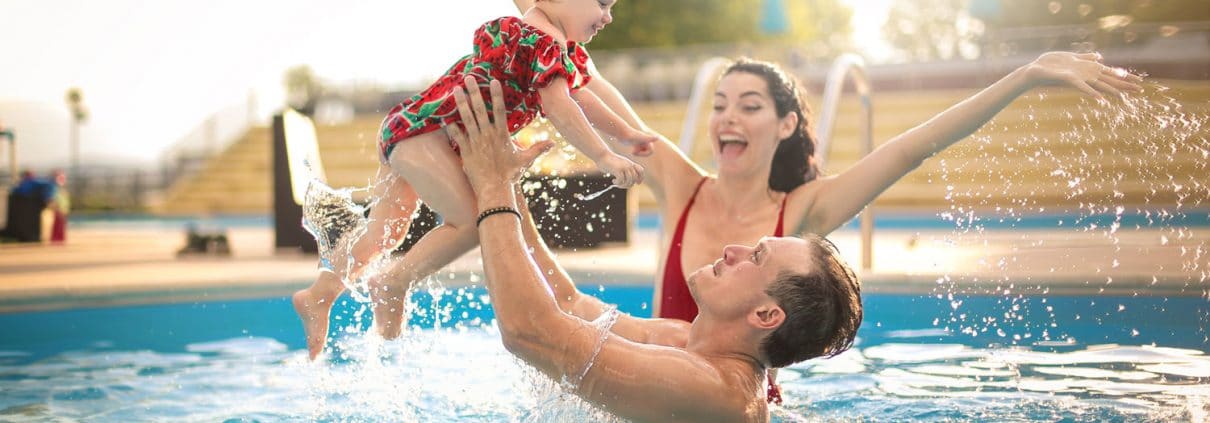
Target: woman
768,182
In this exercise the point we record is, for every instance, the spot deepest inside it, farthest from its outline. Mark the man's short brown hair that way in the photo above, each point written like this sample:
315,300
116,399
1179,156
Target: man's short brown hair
823,308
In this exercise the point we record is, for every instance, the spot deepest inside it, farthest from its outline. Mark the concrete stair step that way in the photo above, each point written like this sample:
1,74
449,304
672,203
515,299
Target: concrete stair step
1009,162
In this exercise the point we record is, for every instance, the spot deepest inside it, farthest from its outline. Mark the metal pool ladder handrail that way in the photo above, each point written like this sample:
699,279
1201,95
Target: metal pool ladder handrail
851,65
846,64
14,178
705,75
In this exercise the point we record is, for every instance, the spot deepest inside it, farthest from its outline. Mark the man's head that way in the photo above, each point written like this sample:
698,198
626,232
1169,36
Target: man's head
796,290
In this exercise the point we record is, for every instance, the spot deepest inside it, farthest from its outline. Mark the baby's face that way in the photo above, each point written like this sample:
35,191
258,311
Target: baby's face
582,19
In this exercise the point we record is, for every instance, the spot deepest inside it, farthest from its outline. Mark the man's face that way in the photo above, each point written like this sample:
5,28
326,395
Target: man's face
735,284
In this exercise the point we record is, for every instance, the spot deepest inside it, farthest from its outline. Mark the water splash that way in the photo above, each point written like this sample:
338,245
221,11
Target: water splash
336,222
1121,181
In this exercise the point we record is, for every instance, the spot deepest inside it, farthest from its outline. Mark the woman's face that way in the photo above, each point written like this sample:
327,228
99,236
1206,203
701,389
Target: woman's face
744,126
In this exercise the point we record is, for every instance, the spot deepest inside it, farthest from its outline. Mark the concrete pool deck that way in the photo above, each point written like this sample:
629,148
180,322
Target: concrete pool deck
102,265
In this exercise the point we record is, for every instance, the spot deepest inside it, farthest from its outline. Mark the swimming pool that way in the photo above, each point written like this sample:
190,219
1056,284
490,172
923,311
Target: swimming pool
918,357
648,219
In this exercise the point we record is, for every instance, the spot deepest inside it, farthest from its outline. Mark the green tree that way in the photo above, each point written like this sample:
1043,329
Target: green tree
1033,13
303,88
937,29
668,23
933,29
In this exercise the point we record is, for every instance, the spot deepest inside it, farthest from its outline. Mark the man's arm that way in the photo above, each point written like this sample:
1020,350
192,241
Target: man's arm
668,332
632,380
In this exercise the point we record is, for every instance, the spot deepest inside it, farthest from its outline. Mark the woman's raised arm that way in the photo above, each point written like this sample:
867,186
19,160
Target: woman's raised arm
835,200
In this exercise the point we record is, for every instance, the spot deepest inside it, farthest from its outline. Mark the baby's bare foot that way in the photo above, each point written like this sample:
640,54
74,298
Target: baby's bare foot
313,312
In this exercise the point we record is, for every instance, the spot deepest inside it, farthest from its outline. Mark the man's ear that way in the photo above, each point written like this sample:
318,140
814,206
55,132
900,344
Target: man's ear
768,317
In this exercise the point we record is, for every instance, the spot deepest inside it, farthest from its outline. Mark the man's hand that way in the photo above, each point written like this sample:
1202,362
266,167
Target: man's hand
489,157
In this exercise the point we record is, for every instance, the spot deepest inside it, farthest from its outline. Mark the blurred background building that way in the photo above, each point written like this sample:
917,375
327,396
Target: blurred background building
923,56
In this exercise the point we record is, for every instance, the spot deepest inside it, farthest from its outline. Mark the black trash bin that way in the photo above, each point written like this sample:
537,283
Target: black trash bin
24,222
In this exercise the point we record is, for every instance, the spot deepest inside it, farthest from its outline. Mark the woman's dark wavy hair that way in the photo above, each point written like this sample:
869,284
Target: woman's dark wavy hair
794,161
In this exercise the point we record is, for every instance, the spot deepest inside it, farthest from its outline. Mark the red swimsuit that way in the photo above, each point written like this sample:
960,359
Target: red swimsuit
675,300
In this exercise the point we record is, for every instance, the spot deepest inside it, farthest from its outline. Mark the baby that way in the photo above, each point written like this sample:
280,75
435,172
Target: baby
543,68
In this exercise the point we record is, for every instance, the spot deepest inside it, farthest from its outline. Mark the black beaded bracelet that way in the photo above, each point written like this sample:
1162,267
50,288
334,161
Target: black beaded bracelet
496,210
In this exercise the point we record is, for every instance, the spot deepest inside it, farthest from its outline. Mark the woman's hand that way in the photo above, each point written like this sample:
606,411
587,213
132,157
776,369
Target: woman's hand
1084,72
640,141
488,153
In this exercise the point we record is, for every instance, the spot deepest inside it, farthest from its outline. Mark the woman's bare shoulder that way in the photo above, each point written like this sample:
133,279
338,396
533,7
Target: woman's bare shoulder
802,207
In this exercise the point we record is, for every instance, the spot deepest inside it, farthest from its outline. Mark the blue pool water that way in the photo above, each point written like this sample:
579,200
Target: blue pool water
917,358
651,220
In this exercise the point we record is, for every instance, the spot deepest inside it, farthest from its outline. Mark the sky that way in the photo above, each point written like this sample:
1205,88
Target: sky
153,72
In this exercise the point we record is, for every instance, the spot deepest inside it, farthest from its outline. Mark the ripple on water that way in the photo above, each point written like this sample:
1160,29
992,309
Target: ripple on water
918,333
920,353
1094,373
80,394
239,346
966,371
467,375
1194,369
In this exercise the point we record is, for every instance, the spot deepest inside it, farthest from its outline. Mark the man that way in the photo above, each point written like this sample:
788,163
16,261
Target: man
782,301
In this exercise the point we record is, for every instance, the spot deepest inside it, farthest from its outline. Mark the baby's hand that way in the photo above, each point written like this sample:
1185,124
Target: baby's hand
641,141
625,172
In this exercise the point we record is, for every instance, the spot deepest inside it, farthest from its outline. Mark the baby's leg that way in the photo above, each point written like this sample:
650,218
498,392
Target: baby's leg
432,168
389,219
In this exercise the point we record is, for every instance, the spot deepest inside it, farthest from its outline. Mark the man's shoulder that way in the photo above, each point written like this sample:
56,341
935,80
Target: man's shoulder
738,394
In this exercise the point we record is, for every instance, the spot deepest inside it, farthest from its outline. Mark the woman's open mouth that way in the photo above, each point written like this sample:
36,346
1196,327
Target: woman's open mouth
731,145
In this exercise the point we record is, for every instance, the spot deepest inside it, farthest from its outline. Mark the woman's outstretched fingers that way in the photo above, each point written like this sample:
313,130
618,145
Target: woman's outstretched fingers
1121,84
1092,55
1105,88
1121,79
1087,89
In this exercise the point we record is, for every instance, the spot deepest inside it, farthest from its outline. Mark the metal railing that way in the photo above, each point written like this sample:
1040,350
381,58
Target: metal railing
11,137
705,75
852,66
847,65
213,134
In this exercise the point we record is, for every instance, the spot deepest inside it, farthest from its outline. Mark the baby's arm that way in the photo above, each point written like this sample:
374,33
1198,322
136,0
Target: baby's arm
606,120
569,119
